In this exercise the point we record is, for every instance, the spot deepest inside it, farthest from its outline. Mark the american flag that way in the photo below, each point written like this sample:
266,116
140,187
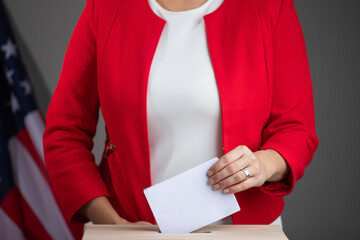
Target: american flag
28,208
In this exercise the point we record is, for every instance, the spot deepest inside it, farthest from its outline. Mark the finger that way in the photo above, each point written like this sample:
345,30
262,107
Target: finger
226,159
237,177
141,223
242,186
229,170
232,180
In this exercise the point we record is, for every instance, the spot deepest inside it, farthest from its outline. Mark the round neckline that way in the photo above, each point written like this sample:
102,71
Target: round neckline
185,12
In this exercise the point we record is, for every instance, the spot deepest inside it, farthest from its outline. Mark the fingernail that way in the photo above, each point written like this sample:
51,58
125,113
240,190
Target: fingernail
216,186
226,190
211,182
209,173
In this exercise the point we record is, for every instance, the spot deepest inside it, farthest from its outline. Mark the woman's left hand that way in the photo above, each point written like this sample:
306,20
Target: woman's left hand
230,172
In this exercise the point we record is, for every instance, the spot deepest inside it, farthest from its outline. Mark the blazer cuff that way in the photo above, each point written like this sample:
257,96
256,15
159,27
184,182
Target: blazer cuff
84,192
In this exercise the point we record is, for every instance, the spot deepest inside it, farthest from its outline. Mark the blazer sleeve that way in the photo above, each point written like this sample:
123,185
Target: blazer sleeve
71,123
291,126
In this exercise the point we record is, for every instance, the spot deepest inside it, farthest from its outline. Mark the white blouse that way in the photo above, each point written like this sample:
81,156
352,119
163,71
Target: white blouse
183,107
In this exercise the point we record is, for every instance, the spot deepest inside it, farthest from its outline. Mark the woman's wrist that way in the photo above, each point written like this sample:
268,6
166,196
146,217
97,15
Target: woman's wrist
276,168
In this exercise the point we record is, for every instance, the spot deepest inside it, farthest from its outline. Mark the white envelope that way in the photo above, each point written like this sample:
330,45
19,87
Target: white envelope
186,202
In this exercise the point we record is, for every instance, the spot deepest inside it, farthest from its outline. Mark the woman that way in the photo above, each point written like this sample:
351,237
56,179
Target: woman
179,82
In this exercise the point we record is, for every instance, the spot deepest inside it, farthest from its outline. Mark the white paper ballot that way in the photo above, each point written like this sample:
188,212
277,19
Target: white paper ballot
186,202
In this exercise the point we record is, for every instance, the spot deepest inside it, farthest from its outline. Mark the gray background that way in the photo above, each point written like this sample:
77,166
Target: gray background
326,202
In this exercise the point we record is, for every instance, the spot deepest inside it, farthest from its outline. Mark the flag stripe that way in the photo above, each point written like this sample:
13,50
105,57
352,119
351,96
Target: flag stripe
12,207
34,227
36,191
9,230
35,126
24,137
17,209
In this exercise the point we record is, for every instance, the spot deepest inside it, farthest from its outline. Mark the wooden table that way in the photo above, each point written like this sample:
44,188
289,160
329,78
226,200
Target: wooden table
151,232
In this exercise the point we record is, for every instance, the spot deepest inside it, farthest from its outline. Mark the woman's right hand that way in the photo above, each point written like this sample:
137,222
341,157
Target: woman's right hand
100,211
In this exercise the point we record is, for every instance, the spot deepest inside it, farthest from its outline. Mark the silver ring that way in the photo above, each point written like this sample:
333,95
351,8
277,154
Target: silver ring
246,172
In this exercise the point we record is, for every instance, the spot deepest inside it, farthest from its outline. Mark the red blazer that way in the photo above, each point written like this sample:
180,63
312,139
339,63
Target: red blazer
259,58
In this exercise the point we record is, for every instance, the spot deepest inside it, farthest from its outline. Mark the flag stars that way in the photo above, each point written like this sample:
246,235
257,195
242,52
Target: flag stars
26,85
9,49
9,75
15,106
